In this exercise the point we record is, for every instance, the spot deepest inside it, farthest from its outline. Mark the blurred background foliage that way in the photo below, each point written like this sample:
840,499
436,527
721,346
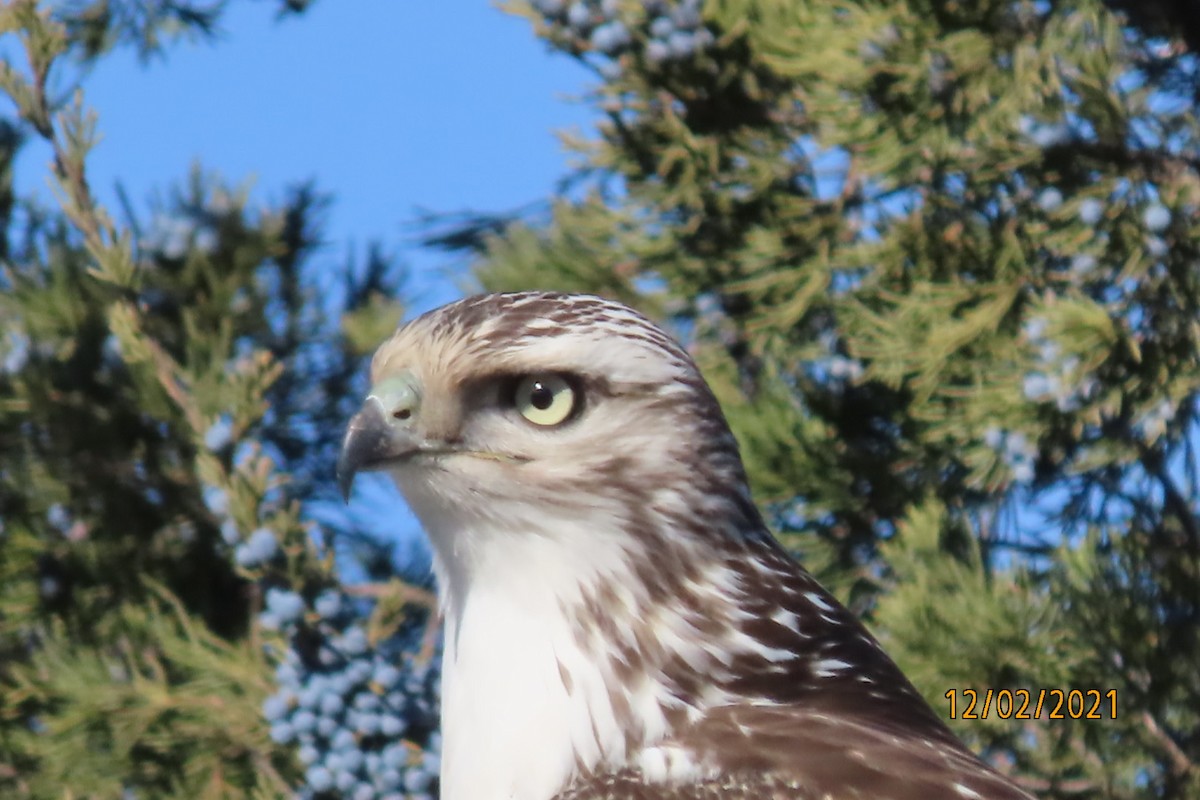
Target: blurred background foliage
938,260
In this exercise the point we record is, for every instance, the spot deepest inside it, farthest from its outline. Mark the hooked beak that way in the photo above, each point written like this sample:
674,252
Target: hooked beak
382,433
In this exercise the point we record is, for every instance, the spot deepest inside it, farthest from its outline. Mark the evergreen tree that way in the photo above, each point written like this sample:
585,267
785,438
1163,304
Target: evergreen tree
939,262
171,397
937,259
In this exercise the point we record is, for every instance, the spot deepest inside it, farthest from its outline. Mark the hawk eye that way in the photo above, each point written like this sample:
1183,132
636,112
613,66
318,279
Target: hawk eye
545,400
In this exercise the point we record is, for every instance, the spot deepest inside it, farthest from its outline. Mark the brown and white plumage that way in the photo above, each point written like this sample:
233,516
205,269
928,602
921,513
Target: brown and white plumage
619,621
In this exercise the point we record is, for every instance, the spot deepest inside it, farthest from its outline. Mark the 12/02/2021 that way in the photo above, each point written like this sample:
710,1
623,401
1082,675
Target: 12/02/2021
1030,703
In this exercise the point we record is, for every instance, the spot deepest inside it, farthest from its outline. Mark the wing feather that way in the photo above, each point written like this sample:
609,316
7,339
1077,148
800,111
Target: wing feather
797,754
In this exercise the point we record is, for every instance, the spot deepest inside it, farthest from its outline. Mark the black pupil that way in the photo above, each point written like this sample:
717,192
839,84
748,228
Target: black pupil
541,397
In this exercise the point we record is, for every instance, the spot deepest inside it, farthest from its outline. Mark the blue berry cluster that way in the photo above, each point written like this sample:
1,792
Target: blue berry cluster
216,500
666,32
1091,211
364,719
876,49
841,368
1156,218
1050,199
678,33
1152,424
1015,450
835,367
259,548
1083,267
596,23
219,434
1056,379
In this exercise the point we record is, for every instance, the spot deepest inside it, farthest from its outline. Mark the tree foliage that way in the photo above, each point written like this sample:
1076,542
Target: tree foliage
172,388
939,262
937,259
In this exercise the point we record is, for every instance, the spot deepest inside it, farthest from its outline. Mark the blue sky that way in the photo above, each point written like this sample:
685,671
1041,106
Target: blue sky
390,106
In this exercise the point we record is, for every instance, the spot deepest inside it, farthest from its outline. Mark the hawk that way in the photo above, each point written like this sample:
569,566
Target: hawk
619,622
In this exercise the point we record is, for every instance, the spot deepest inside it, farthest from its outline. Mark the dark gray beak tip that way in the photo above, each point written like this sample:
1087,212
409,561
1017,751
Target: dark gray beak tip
355,454
369,444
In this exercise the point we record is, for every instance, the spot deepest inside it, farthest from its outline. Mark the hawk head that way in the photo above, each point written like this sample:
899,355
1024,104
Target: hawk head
617,614
527,411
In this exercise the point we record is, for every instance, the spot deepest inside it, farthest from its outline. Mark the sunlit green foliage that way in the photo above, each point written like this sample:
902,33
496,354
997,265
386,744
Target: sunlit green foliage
938,259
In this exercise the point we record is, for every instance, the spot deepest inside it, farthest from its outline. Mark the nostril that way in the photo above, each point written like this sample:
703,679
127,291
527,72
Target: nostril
402,414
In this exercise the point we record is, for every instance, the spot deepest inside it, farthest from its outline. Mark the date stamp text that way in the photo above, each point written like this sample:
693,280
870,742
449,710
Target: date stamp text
1032,703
